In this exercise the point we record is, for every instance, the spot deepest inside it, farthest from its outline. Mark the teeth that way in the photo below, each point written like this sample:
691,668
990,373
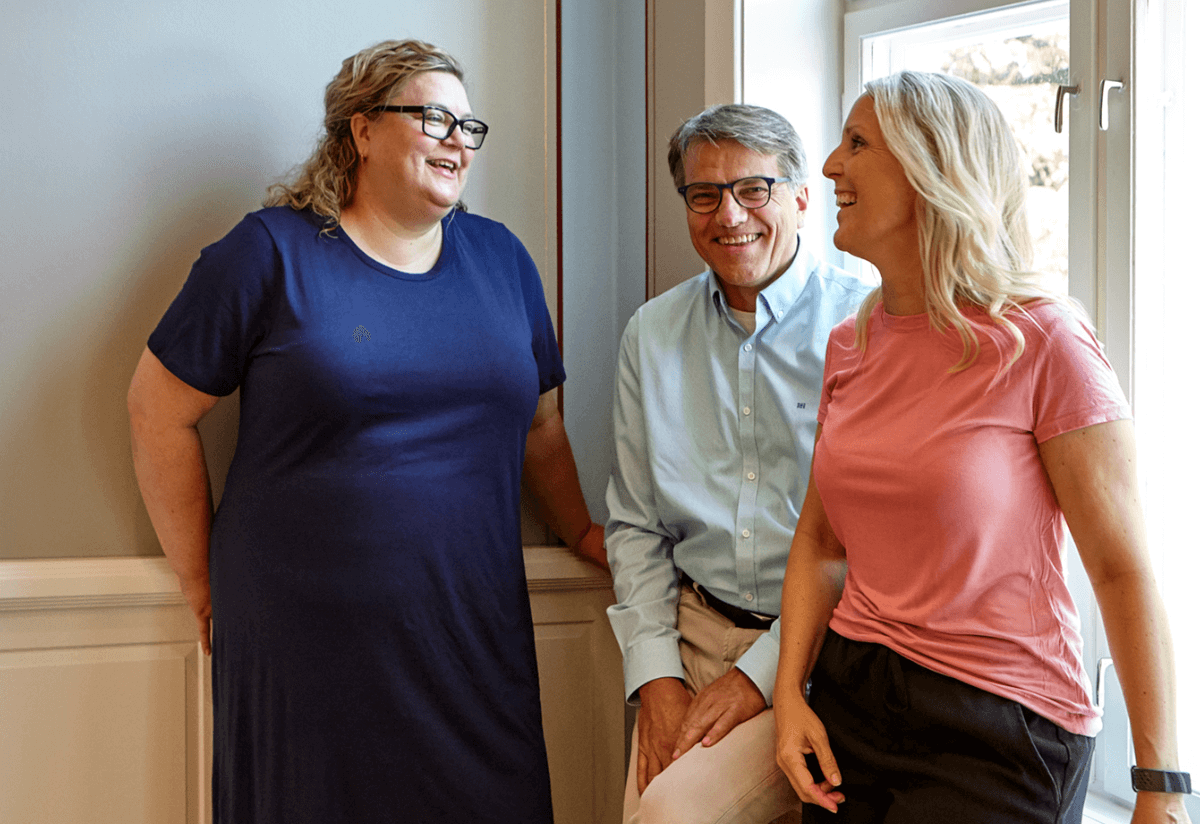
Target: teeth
846,200
445,164
737,240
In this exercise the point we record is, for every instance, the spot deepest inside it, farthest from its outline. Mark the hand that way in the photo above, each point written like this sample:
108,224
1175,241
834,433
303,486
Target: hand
664,704
1159,808
199,599
717,709
799,732
591,547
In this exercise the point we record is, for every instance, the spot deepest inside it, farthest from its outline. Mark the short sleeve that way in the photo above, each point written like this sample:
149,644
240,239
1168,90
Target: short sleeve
840,356
1074,384
551,372
206,336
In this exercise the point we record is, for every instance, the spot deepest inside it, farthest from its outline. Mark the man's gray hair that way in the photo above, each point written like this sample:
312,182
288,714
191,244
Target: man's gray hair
758,129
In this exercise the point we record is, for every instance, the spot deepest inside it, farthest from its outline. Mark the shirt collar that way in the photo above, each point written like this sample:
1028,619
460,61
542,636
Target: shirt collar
780,295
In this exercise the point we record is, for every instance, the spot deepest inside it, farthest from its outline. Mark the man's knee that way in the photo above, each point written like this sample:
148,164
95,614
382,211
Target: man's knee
668,801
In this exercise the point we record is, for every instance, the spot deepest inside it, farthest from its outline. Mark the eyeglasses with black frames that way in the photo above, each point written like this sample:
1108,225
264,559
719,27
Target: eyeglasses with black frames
749,192
440,124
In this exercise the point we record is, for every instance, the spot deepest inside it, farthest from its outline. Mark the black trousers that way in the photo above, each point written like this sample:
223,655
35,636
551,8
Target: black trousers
916,746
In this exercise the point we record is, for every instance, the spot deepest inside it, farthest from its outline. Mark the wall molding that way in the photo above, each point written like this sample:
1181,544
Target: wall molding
77,583
137,581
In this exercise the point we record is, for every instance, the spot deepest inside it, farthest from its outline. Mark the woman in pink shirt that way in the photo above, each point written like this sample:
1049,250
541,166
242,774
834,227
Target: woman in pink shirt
968,419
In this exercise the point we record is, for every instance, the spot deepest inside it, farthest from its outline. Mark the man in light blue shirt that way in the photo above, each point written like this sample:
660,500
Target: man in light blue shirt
717,389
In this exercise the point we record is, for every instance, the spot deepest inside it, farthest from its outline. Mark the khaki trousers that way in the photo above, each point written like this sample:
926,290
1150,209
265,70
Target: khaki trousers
735,781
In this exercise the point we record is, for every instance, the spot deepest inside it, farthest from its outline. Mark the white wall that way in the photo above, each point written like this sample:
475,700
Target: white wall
135,133
792,63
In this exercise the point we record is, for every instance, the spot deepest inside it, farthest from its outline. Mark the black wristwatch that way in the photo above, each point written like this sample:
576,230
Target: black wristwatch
1160,781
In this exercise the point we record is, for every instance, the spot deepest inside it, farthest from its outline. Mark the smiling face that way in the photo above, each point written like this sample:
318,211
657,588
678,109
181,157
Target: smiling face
404,171
746,248
877,206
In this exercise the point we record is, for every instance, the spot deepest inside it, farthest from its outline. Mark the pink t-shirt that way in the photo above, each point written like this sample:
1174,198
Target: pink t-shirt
932,481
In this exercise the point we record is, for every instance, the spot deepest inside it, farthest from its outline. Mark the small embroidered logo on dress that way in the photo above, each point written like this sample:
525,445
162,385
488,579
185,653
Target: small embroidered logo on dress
361,334
801,406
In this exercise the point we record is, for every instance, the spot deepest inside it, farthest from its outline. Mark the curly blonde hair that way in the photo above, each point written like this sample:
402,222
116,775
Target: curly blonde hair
326,181
958,152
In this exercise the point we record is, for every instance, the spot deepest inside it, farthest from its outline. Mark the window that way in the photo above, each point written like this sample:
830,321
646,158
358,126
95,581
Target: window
1165,389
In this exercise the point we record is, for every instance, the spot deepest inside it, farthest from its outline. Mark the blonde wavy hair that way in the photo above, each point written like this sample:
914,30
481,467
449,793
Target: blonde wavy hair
326,181
960,155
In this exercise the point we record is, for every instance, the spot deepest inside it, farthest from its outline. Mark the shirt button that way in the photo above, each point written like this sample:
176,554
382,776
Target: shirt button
749,596
750,476
748,347
745,410
745,533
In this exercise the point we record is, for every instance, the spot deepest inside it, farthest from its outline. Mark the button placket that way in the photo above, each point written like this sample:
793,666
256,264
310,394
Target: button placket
744,544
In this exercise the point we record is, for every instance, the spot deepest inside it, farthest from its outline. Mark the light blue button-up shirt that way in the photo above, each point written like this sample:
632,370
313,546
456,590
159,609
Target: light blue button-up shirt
714,434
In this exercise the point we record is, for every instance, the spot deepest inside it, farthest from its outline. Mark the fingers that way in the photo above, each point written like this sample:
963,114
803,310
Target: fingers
707,728
653,758
717,709
650,764
799,734
823,794
828,763
204,626
689,735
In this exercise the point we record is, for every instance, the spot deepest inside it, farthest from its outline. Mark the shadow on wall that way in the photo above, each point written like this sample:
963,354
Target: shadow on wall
68,487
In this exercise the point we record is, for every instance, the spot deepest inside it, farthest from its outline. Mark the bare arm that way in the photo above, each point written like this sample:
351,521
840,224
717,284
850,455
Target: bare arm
169,462
812,585
551,476
1093,472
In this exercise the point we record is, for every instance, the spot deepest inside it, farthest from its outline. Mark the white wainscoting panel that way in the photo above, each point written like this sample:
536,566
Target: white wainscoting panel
105,703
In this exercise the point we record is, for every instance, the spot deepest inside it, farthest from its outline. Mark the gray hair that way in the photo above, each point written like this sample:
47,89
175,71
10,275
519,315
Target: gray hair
758,129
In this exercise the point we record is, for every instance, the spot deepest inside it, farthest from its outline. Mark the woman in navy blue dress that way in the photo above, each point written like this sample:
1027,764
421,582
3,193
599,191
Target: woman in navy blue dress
361,586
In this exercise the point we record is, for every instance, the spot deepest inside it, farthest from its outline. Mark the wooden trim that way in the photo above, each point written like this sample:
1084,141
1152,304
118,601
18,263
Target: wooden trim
75,583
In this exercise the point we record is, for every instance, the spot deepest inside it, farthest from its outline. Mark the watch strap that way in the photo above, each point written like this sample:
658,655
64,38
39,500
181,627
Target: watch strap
1160,781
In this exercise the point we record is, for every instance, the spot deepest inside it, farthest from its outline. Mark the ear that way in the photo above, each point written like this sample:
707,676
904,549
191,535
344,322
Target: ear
801,205
360,132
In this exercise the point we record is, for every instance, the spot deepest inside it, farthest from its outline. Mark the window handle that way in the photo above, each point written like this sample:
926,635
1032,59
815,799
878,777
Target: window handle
1105,87
1102,667
1063,91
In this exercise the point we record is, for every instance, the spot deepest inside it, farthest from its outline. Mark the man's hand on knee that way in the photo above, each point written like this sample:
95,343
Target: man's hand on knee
717,709
665,702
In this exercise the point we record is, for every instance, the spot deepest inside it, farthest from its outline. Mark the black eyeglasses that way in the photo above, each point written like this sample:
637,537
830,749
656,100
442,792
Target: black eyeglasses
749,192
440,124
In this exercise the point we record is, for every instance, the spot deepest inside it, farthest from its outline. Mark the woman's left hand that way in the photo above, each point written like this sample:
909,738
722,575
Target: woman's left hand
798,732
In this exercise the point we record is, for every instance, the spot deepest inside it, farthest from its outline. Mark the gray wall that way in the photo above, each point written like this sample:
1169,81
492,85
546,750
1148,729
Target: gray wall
793,64
791,61
604,217
135,133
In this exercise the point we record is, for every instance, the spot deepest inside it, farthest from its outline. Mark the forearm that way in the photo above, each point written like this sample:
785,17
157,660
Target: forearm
1140,642
811,589
551,477
812,586
173,478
